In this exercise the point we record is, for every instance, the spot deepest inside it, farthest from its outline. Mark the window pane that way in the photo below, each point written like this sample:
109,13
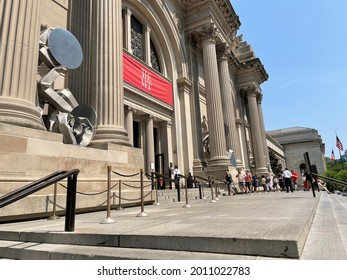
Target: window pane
154,58
136,37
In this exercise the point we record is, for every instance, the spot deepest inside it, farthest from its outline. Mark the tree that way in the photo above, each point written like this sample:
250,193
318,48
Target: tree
274,162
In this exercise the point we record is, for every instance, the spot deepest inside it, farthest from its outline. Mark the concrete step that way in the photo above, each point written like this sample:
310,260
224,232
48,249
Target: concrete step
272,225
47,251
327,239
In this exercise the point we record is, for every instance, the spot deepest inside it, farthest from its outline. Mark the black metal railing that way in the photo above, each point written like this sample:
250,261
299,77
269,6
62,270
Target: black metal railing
45,182
331,180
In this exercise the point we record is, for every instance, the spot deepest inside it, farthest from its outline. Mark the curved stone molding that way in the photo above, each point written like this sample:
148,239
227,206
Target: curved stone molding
20,112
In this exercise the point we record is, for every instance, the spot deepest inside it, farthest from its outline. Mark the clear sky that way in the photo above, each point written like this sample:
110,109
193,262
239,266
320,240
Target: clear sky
303,46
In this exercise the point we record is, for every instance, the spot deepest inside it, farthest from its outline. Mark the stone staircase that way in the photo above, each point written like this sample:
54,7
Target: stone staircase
239,227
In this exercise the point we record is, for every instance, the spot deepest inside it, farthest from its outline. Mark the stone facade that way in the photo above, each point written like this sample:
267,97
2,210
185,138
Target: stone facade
298,140
192,46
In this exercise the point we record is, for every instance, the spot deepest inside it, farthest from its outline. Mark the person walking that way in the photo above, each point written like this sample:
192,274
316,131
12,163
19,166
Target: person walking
229,180
295,178
276,184
241,177
281,182
263,183
287,175
177,177
248,181
255,183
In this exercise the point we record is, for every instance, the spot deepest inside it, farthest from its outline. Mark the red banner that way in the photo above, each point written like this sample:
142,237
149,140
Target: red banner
146,80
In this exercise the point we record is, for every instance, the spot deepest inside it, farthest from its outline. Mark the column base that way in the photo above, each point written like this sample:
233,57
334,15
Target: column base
21,113
239,164
262,171
219,161
199,164
110,134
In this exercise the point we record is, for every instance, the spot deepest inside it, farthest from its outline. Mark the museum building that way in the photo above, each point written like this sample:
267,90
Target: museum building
171,83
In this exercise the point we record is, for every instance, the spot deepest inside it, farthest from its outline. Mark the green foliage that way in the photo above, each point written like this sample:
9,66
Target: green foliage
338,171
275,166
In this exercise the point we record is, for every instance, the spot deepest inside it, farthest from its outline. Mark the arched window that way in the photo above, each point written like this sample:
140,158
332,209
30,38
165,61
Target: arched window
137,40
139,46
154,58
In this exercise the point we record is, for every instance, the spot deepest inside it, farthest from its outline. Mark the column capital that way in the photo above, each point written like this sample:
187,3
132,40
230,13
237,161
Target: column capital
207,33
130,108
147,117
260,98
250,91
223,51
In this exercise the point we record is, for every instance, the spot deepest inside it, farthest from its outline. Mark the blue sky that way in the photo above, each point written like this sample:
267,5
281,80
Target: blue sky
303,46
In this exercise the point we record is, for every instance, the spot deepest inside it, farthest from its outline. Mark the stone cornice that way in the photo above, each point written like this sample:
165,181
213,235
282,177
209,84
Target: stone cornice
184,83
224,6
256,65
193,6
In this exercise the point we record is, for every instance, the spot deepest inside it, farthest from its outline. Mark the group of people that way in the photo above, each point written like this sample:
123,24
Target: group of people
250,183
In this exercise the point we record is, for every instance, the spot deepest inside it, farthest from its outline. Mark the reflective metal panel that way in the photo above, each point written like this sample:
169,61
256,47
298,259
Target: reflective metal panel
65,48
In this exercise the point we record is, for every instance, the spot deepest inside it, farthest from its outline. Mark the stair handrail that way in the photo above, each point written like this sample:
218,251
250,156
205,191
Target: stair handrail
45,182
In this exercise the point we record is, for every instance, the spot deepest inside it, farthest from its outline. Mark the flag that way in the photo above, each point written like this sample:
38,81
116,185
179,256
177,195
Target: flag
339,144
332,155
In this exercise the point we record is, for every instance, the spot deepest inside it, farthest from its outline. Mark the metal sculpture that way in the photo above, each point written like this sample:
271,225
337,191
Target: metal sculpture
60,51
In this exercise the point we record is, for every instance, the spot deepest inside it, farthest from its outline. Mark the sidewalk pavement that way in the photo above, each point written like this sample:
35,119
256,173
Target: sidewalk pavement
259,226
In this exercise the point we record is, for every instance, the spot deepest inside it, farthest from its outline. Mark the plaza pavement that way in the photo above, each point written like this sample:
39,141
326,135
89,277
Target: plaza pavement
275,225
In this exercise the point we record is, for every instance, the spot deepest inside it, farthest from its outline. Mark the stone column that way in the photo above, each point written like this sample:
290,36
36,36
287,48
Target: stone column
147,50
184,89
150,157
262,127
228,104
19,50
239,132
107,72
213,99
258,147
129,118
79,23
127,30
199,161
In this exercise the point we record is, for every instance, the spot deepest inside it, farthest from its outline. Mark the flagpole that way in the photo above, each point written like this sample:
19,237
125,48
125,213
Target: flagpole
339,146
341,159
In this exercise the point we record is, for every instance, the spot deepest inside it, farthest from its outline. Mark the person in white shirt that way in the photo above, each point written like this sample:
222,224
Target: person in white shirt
177,177
287,175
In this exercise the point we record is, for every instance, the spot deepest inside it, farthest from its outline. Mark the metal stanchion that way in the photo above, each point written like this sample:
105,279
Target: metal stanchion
120,196
216,189
186,190
156,190
199,186
211,187
108,220
143,213
54,216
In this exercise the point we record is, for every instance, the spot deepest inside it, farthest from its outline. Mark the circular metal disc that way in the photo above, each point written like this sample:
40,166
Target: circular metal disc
85,111
65,48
